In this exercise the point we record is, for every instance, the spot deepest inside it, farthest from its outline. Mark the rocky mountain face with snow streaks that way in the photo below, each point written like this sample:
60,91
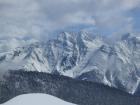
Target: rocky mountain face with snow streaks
81,56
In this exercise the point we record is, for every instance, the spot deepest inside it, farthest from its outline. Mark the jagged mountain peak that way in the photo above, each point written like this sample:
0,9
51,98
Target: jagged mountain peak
73,36
83,35
66,36
132,41
79,55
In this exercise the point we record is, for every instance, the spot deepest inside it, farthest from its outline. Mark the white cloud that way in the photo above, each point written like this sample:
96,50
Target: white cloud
130,4
18,18
10,44
35,18
80,18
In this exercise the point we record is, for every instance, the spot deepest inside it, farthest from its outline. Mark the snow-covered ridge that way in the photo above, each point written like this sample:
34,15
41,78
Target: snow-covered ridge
80,56
36,99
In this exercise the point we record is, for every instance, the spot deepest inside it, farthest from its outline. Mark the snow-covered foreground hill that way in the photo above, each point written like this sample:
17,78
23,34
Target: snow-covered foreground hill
36,99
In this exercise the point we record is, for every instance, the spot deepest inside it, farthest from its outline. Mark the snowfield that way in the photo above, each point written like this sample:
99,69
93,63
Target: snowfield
36,99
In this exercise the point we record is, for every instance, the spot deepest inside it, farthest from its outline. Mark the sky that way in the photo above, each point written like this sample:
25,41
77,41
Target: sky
24,19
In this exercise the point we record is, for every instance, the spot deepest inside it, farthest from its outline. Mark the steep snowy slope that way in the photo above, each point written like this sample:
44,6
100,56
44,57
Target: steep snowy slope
80,56
118,65
36,99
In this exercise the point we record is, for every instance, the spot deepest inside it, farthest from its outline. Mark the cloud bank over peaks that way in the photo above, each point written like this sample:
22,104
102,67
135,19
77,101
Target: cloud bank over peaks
38,18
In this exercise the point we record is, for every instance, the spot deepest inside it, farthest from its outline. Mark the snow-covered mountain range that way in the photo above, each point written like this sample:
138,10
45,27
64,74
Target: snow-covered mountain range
81,56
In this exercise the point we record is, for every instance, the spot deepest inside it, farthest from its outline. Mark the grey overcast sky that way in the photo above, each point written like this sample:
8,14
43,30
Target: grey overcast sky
39,18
